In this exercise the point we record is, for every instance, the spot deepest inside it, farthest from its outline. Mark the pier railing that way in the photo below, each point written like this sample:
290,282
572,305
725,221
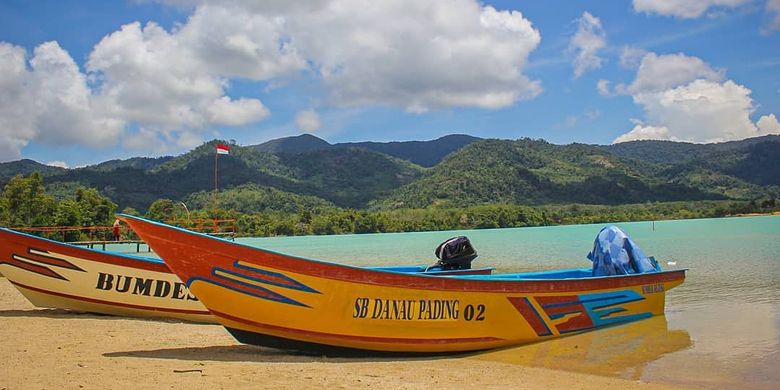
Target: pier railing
100,236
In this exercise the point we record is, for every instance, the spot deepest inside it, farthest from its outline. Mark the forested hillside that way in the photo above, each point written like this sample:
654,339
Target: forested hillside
536,172
305,172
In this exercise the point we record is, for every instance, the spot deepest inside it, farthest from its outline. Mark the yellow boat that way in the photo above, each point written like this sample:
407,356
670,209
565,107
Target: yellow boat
271,299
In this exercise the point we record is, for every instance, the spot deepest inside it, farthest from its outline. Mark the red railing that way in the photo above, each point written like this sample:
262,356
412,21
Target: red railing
217,227
93,233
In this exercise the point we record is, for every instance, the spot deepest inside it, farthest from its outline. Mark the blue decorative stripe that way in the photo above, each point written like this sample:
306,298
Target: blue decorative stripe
582,300
294,284
600,312
563,314
270,295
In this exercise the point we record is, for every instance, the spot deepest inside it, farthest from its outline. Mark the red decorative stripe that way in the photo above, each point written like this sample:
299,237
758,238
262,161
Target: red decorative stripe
560,306
110,303
373,339
42,258
531,315
35,268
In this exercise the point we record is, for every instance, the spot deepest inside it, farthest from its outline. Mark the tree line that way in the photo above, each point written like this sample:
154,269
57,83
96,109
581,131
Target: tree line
25,203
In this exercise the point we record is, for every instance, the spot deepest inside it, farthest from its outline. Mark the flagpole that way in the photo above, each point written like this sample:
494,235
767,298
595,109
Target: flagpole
220,149
216,190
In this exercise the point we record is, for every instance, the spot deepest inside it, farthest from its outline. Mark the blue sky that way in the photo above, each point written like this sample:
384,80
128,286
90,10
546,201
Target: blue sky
89,81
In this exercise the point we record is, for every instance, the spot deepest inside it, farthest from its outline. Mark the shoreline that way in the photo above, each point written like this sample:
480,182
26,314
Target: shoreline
52,348
767,214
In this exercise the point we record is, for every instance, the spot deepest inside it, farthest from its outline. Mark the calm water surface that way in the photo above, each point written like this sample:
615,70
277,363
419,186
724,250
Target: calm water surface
721,328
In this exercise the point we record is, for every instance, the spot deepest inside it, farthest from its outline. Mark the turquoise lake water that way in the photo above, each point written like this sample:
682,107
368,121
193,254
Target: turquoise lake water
721,328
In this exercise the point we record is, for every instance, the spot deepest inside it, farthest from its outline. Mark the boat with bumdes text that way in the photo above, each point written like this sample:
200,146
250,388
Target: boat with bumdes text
52,274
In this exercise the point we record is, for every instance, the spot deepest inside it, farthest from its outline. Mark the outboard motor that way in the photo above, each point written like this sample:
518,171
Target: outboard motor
455,253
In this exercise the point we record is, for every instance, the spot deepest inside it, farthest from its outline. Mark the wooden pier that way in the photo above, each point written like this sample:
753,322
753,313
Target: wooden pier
102,244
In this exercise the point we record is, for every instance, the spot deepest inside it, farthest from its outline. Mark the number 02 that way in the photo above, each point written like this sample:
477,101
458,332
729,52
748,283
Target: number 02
468,313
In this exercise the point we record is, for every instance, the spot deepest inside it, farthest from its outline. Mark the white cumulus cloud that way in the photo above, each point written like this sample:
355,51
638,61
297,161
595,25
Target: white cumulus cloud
17,127
403,53
659,73
152,78
684,99
640,132
586,42
768,124
308,121
419,55
686,9
143,83
49,102
225,111
631,57
701,111
57,163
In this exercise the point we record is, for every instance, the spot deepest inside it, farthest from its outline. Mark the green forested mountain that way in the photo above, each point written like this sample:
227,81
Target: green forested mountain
536,172
293,177
349,177
252,198
346,177
26,167
743,169
423,153
670,152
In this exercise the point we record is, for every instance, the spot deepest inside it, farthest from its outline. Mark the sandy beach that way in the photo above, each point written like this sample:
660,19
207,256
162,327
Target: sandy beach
58,349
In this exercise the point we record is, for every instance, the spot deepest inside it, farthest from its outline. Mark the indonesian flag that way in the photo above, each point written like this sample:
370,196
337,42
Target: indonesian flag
223,149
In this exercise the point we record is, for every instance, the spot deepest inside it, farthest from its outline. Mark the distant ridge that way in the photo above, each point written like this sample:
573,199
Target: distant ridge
26,167
675,152
293,145
143,163
424,153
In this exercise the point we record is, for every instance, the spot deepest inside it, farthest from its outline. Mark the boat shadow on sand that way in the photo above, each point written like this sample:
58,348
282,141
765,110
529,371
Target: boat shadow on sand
65,314
250,353
619,351
50,313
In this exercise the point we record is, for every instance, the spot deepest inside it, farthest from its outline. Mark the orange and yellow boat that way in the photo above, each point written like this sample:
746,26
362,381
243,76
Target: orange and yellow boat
271,299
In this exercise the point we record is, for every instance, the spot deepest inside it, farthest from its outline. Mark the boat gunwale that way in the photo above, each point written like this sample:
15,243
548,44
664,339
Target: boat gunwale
508,282
94,254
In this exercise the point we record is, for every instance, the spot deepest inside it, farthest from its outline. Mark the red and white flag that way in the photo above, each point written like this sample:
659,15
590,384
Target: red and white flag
223,149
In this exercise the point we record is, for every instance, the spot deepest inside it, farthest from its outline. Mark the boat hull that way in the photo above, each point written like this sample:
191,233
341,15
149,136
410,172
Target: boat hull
56,275
271,299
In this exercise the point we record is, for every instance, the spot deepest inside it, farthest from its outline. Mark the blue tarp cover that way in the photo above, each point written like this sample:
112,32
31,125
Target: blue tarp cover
614,253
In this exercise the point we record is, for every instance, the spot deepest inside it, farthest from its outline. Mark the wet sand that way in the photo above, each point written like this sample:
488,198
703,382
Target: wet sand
58,349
